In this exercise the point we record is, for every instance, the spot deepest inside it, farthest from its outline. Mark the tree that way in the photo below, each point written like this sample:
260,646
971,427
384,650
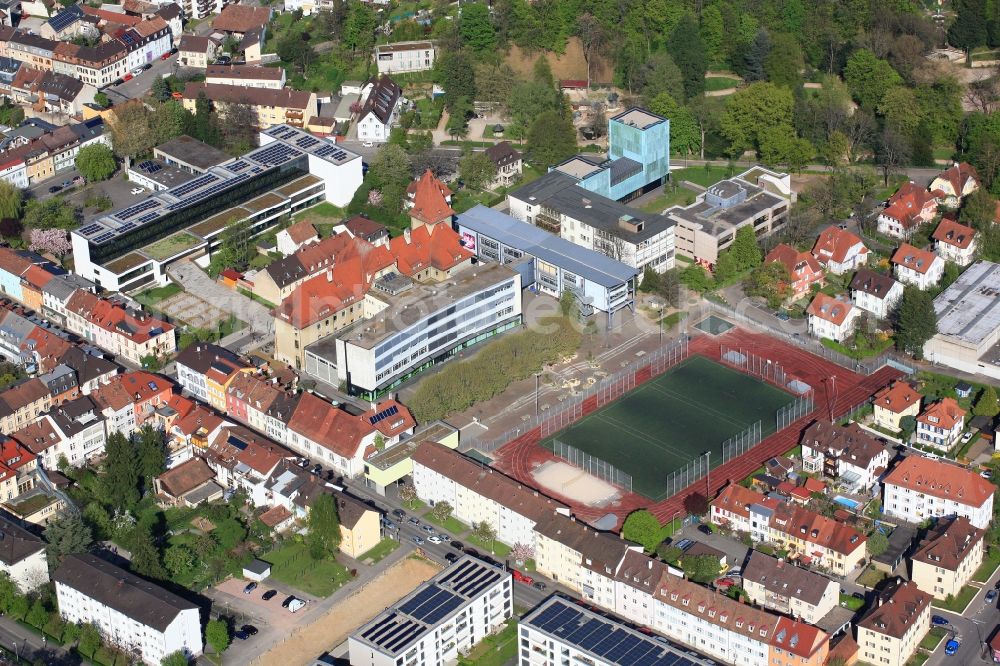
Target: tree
643,528
753,110
121,472
891,153
522,552
688,52
89,641
476,29
152,453
979,209
696,504
101,99
324,527
696,278
685,137
217,635
132,132
442,511
987,404
485,533
869,78
779,145
37,616
551,139
204,128
96,162
359,28
877,543
175,659
53,213
170,120
769,281
592,38
660,75
969,29
457,75
11,201
179,560
700,568
379,441
477,170
145,555
293,49
751,64
713,35
158,89
238,127
785,62
67,535
408,494
53,241
915,321
746,253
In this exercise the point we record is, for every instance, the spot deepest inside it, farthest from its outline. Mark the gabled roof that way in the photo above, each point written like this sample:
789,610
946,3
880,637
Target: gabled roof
797,263
189,475
897,397
734,498
913,258
502,154
849,443
429,199
300,232
328,426
285,98
940,479
391,426
834,244
212,361
382,99
436,245
16,543
957,175
112,17
195,43
138,327
833,310
369,230
949,543
896,611
950,232
130,388
907,203
945,413
872,283
241,18
817,529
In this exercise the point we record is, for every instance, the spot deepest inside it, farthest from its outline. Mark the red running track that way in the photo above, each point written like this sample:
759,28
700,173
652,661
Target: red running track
520,456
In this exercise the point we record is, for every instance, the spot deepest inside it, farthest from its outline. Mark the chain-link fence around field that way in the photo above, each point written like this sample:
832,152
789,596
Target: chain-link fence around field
592,465
551,421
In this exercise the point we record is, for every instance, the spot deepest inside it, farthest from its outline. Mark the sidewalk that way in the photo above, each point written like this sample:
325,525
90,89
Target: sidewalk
28,645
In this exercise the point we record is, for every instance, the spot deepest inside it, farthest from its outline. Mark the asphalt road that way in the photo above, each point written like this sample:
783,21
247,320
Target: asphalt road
971,630
138,86
29,646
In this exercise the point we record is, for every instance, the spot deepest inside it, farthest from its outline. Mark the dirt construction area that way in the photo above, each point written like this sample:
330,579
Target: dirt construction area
304,644
193,310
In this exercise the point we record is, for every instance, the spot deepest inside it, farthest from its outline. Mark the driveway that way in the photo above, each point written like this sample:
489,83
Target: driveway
971,630
735,550
196,281
139,85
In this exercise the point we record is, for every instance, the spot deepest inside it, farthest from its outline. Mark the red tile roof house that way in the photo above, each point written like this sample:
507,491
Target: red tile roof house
839,251
955,242
127,333
920,268
428,200
803,269
893,402
908,208
918,488
954,184
331,437
291,239
832,318
130,399
941,424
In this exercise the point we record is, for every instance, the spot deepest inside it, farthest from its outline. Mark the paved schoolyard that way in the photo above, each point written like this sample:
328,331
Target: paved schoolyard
193,310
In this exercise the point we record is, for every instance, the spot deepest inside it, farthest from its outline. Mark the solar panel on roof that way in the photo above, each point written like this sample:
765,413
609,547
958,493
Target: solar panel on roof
140,207
384,414
90,229
326,150
306,141
148,217
126,227
105,237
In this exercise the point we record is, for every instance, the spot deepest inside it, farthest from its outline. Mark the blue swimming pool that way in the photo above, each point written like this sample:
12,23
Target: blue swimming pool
847,501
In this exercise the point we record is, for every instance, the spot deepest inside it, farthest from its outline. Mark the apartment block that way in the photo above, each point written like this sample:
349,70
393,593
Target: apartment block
919,488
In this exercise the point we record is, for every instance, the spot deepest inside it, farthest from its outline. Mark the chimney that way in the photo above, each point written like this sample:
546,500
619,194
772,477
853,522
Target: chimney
406,236
329,276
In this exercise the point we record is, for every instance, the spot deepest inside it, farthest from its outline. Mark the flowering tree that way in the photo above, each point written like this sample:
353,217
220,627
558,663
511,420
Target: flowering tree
522,552
375,198
408,494
53,241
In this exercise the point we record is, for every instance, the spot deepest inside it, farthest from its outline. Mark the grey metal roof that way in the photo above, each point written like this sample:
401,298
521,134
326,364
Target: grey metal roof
541,189
602,213
590,265
970,308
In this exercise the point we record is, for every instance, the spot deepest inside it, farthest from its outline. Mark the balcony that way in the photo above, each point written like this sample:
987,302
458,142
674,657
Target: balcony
548,223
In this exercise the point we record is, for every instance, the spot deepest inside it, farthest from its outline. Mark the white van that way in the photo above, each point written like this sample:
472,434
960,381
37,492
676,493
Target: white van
296,605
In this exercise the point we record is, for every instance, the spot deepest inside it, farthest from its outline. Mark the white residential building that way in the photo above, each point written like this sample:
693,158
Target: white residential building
831,317
786,588
839,251
941,424
22,556
891,630
130,612
876,293
380,110
920,268
438,621
401,57
846,453
74,430
955,242
919,488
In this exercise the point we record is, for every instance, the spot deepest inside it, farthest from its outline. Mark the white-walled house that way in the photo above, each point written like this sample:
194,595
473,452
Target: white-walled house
954,184
918,488
941,424
130,612
831,317
22,556
955,242
380,111
918,267
839,251
875,292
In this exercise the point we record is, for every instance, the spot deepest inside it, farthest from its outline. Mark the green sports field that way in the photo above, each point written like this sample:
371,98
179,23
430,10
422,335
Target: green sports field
673,419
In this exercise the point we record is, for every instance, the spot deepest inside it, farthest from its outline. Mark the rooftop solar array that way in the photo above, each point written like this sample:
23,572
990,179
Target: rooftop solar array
290,144
384,414
397,629
605,638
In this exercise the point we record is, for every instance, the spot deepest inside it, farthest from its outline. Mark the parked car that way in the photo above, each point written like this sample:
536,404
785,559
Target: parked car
389,525
435,539
270,594
134,190
966,437
287,601
413,520
538,585
296,605
450,557
991,596
55,188
522,577
859,595
67,183
249,629
684,543
166,56
457,545
127,77
417,540
951,647
736,571
783,316
399,513
251,586
241,635
938,620
705,529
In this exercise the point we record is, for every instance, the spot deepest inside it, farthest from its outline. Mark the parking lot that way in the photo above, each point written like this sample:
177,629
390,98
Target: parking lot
118,189
252,609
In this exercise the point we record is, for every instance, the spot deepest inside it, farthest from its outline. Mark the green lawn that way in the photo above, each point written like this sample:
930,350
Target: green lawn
171,245
851,603
452,524
501,550
704,175
918,659
713,83
871,577
495,650
428,114
151,297
679,197
379,552
291,565
325,211
860,348
991,560
957,604
933,638
465,199
263,301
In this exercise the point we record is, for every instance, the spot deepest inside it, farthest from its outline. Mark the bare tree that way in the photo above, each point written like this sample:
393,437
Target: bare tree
983,94
859,130
592,37
611,246
892,152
